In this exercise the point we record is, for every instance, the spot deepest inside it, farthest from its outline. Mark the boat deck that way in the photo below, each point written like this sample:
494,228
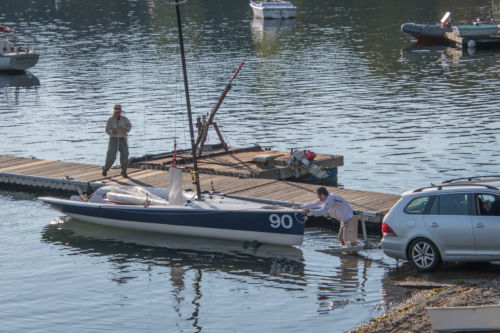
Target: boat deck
32,173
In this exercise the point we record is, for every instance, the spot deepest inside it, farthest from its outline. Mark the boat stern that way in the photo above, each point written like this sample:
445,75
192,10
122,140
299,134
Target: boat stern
21,61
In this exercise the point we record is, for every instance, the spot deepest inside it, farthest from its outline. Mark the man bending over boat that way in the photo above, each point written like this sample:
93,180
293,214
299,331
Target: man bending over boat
339,209
117,128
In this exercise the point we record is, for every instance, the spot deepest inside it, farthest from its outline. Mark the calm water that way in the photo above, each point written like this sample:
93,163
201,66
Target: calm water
76,277
341,79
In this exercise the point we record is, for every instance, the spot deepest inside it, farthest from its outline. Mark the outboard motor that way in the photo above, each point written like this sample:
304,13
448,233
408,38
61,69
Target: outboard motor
303,159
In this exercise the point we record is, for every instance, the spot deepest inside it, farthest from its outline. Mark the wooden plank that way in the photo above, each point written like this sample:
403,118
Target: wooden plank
7,158
54,170
19,161
26,164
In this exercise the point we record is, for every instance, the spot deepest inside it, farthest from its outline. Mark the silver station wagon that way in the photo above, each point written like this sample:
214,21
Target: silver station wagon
455,221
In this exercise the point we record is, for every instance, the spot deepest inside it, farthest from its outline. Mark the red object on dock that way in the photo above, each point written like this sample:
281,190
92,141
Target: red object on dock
310,155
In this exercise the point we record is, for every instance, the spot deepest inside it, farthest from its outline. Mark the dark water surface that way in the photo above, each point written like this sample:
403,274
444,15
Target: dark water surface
341,79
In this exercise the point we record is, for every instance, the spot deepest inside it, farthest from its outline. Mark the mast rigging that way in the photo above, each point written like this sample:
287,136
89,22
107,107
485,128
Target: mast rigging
195,174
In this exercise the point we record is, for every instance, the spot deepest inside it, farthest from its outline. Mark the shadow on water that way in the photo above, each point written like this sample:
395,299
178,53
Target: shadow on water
19,80
448,273
13,84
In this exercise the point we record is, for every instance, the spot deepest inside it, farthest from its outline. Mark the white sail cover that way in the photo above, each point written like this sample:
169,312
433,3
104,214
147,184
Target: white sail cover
175,186
130,195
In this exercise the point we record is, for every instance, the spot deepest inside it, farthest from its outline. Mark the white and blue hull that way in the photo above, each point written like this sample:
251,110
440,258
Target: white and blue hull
18,61
280,227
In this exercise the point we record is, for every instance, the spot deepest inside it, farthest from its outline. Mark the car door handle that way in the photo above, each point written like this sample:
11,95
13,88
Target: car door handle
434,225
479,225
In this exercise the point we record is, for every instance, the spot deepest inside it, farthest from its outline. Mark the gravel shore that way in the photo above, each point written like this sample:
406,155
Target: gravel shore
411,315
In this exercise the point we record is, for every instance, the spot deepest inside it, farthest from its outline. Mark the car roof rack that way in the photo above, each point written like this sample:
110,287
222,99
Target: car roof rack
440,186
469,179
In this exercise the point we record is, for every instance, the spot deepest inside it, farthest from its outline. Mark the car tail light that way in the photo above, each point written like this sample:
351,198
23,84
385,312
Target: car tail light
387,231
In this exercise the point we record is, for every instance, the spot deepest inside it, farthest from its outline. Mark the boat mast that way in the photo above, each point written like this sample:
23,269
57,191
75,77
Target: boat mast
195,174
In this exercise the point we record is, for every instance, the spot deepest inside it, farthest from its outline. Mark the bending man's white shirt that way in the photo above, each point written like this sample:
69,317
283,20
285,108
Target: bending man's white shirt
335,205
338,208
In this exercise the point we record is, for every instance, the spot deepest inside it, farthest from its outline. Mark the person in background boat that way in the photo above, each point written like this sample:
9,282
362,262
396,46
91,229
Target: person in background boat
117,128
339,209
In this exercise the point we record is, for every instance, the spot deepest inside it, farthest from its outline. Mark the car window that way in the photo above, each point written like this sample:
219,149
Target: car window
453,204
434,210
488,204
417,206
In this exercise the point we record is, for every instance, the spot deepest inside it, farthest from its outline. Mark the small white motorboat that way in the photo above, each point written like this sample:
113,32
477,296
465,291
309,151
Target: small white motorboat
483,318
13,56
273,9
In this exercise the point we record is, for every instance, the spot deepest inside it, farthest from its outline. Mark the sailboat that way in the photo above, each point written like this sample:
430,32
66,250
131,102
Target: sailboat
188,213
14,57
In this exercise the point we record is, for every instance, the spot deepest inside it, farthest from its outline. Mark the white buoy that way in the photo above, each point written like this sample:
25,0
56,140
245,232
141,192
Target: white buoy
471,44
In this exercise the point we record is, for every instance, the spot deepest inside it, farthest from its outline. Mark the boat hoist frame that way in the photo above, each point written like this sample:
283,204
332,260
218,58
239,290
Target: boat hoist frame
203,124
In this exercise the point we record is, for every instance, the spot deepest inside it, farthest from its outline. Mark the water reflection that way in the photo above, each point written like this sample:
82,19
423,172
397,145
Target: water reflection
11,85
340,289
186,259
417,52
457,55
15,89
271,36
449,56
194,284
58,4
24,80
337,281
126,246
448,273
262,29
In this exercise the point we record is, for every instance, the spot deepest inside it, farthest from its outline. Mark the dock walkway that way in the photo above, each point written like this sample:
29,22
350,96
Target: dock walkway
479,40
32,173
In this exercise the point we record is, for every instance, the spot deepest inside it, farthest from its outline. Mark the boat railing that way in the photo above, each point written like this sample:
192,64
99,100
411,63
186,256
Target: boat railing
283,4
14,43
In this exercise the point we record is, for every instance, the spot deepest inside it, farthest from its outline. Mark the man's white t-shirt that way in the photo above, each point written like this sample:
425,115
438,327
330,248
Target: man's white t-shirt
335,205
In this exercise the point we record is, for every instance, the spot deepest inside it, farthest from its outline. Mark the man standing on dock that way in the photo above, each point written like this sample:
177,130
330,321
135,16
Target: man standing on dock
117,128
339,209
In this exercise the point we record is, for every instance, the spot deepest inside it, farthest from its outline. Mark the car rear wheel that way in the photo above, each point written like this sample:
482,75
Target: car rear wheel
424,255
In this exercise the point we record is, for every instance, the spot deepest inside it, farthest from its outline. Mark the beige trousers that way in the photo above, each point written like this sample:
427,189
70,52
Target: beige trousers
348,231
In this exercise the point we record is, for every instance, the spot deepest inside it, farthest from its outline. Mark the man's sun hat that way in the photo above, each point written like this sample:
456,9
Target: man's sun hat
117,108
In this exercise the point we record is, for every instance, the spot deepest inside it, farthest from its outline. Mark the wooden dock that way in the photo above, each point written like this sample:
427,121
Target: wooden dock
47,175
481,40
238,162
